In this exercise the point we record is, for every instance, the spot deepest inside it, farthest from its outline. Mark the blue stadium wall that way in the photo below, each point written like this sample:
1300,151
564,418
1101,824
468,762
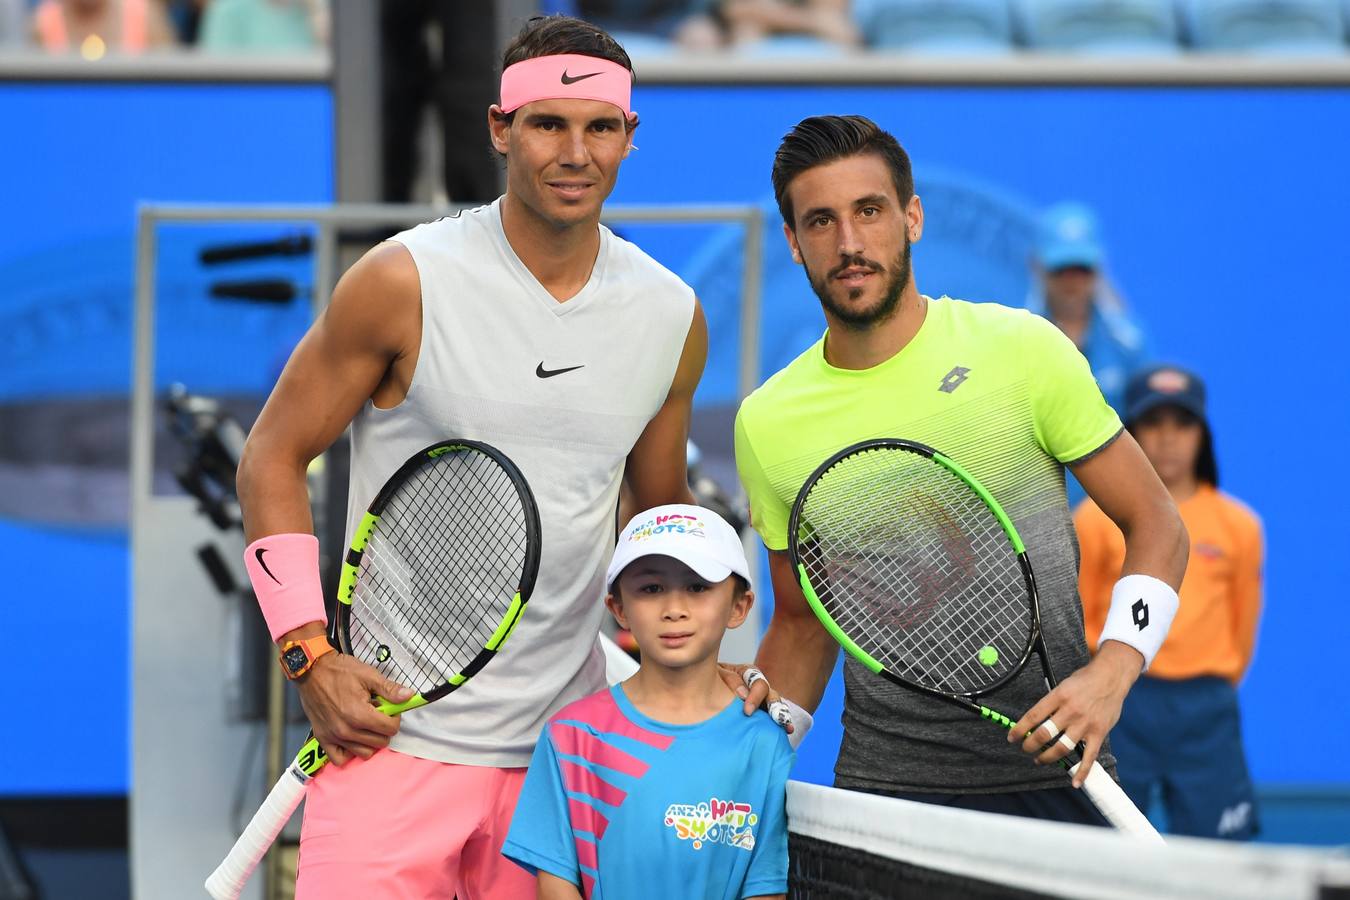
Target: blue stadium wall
1222,211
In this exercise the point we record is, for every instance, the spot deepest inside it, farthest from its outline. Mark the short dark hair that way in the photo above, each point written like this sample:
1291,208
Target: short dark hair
557,35
822,139
1206,463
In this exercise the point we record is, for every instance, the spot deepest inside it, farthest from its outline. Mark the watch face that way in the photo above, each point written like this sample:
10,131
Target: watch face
295,659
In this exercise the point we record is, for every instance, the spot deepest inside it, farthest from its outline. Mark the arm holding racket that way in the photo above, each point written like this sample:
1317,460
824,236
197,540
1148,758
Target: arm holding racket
1087,704
357,350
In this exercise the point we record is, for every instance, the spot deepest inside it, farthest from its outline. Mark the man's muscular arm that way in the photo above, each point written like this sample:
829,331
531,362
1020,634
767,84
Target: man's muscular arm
656,473
363,346
1086,705
797,654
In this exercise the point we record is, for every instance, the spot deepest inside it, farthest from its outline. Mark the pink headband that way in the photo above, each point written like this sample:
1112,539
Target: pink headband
566,77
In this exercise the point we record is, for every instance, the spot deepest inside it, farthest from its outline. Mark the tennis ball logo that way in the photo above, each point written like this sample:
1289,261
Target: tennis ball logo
988,655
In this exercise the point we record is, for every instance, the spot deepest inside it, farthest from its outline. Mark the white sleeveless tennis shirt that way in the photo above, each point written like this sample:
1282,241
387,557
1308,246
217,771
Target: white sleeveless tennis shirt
494,344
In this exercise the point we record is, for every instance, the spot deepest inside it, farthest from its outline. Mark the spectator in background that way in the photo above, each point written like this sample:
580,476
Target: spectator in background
459,80
94,28
267,26
13,34
749,22
650,24
1179,728
1071,291
186,16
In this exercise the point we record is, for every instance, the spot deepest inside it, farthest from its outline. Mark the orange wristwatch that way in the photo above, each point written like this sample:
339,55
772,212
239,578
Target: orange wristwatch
298,657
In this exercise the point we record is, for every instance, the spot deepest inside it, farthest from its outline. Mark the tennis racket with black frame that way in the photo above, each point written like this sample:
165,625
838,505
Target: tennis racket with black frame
439,572
915,569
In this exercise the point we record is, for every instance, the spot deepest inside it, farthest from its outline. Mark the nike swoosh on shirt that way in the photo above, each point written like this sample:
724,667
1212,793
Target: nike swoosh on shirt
258,553
547,373
573,79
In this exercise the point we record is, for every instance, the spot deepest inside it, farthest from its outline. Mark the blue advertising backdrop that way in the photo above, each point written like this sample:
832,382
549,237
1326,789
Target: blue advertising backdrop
1221,210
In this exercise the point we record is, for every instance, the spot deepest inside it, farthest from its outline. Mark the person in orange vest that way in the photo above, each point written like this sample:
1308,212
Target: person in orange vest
1179,728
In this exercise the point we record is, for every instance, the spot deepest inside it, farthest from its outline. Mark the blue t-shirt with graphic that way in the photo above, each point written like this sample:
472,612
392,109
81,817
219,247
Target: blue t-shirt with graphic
625,806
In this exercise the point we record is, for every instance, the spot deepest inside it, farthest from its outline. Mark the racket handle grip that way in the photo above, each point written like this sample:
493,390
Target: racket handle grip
1112,802
229,878
1116,806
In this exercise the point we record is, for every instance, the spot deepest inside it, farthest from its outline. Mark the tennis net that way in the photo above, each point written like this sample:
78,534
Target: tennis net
845,845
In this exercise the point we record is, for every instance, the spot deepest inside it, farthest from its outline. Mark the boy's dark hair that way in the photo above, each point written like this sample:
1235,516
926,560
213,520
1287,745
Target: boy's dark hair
558,35
822,139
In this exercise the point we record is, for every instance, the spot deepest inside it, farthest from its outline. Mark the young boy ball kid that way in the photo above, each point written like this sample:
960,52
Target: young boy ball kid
660,787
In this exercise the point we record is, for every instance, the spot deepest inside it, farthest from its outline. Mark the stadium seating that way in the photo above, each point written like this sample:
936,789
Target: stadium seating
1100,26
1266,26
936,26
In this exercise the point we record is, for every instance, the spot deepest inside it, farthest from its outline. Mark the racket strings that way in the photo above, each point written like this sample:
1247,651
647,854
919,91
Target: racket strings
440,570
913,566
441,642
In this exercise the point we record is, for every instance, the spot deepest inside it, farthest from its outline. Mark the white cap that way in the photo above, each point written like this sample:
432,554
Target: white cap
697,537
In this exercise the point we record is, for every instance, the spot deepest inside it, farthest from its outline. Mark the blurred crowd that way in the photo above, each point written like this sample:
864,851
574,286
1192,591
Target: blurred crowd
751,27
94,28
970,27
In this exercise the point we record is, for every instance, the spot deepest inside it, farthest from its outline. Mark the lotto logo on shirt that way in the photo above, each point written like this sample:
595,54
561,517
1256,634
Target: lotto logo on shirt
714,822
672,524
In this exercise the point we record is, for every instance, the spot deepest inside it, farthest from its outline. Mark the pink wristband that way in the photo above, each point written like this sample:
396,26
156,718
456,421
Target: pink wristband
284,570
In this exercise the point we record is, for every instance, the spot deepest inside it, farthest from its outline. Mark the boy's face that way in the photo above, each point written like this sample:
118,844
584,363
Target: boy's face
676,617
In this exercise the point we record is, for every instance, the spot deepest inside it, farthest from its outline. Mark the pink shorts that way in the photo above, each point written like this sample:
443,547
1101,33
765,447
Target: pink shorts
395,826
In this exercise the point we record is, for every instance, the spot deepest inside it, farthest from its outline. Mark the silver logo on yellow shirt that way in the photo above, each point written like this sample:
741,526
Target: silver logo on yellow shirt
954,379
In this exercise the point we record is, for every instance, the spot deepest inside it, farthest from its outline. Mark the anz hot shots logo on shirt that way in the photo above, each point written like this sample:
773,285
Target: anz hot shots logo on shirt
714,822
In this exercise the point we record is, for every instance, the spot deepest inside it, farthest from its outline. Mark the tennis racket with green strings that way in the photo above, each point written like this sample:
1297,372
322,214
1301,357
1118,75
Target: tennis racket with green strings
915,569
438,574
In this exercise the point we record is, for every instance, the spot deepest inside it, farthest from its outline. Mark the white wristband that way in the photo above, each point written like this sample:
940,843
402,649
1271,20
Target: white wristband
801,723
1142,609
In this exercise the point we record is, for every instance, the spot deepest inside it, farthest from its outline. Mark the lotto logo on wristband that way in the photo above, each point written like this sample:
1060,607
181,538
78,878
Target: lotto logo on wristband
1140,610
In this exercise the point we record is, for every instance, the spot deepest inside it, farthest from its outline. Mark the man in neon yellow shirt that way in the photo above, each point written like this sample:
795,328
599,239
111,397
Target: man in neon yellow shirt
1011,399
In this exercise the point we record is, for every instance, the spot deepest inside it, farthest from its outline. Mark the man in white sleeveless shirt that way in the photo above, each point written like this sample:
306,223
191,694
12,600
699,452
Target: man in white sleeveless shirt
525,324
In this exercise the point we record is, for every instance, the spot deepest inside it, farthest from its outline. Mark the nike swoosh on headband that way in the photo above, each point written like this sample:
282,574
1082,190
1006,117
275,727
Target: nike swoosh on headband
573,79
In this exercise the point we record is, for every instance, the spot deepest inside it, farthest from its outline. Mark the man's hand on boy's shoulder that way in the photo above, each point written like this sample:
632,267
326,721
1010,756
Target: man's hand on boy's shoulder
749,683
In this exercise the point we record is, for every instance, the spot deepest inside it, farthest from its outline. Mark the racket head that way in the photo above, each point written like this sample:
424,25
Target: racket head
914,568
440,568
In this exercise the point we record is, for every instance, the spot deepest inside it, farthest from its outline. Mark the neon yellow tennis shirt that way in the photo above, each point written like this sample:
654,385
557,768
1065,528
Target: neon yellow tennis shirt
1007,396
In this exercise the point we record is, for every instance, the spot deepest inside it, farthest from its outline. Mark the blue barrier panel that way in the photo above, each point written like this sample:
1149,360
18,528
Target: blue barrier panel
82,157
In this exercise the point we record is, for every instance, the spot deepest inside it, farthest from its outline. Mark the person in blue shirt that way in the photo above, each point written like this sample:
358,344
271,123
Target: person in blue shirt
661,787
1072,291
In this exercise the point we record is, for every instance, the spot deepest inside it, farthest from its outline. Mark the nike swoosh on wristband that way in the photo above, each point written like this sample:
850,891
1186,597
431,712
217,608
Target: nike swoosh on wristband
546,373
573,79
258,553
